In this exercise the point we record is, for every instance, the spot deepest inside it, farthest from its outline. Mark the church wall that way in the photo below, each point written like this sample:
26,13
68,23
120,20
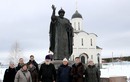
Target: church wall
78,41
92,53
83,40
79,49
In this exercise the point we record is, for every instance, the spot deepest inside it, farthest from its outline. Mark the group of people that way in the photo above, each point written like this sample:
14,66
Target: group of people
23,72
30,71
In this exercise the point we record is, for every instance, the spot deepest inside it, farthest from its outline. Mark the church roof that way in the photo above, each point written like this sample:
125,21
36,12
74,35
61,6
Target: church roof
97,47
76,15
77,32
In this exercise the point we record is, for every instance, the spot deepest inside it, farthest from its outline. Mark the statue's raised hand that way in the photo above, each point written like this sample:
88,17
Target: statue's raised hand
53,7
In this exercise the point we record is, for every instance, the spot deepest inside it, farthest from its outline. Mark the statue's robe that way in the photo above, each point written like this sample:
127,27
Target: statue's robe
61,38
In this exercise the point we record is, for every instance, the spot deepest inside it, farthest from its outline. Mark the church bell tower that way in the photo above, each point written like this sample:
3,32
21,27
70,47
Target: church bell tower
77,21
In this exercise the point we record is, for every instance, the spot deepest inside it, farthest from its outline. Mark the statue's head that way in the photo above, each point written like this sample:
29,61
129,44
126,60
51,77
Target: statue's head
61,12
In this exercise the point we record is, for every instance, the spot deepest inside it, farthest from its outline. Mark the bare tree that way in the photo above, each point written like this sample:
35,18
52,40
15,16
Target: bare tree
15,53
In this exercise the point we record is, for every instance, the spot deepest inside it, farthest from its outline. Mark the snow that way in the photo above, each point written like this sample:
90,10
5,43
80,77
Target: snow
2,71
116,70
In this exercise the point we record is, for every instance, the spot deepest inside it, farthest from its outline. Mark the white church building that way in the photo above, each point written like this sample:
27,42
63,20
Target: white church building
85,45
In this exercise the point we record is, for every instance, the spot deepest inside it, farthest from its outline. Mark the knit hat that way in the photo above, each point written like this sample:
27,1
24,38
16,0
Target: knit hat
65,59
89,60
48,57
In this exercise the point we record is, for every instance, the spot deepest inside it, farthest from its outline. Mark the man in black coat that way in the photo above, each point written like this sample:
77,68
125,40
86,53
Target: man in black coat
77,71
47,71
20,64
32,61
10,73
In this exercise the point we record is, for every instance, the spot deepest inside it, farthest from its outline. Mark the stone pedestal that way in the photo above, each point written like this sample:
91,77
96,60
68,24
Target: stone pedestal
118,79
115,79
105,80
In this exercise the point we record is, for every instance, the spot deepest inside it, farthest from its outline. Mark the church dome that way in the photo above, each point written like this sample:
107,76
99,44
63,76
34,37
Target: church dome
76,15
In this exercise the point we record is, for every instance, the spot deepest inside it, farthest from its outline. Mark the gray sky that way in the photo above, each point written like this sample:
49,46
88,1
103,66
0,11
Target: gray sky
27,22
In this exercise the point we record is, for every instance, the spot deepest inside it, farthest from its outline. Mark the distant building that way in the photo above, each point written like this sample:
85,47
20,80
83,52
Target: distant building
116,59
85,45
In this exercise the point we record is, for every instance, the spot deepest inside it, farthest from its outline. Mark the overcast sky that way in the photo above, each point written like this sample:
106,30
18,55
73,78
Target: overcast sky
27,22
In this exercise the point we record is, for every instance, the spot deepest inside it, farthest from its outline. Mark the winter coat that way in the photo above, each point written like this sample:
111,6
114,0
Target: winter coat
9,75
77,72
19,66
63,73
92,74
34,63
47,73
23,76
34,74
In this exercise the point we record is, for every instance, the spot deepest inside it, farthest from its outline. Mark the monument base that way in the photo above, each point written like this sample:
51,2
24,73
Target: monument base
57,63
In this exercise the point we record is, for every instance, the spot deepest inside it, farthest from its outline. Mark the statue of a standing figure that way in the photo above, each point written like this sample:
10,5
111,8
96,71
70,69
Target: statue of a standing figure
61,35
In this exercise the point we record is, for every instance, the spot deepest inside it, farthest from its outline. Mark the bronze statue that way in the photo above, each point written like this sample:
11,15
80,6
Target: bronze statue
61,35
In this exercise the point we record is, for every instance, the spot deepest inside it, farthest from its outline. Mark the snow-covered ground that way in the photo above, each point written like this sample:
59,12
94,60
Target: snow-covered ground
115,70
2,71
108,70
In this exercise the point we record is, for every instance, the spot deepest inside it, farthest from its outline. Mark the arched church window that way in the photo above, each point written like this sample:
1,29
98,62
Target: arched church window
83,59
91,41
75,25
78,25
91,56
82,42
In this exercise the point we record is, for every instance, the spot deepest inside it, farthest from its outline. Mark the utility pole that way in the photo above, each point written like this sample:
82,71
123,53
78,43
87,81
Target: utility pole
112,57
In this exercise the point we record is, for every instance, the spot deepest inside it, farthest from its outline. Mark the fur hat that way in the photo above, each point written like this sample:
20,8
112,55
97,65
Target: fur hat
65,59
